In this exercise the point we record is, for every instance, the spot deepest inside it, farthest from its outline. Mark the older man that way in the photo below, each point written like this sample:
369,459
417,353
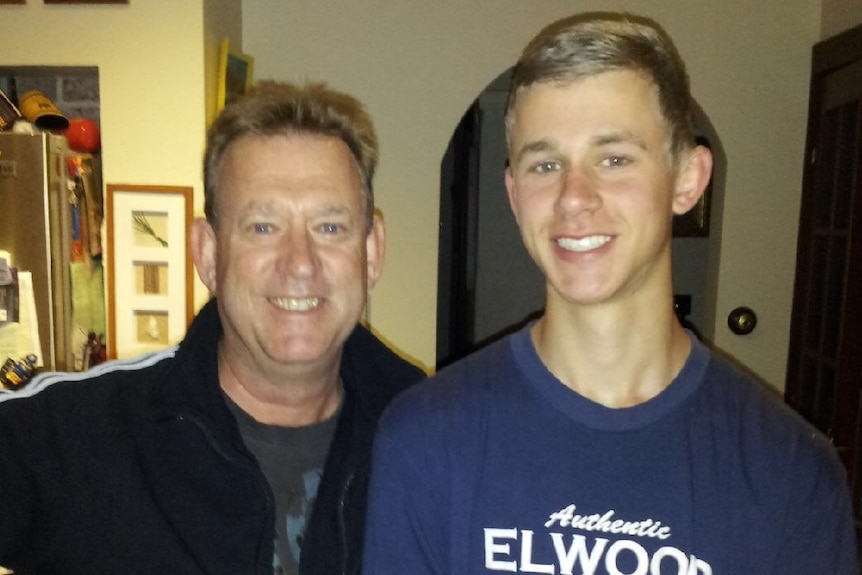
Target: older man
245,449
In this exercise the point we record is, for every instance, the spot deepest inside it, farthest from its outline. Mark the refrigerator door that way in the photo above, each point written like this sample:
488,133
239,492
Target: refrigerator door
34,225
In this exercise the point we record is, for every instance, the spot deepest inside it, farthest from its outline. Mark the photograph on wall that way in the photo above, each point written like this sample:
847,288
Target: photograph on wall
236,71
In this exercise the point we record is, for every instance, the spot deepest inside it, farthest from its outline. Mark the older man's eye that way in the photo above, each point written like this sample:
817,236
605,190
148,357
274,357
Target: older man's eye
330,228
260,228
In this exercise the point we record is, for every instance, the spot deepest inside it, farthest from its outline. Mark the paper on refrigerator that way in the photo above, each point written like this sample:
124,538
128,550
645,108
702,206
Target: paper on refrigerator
21,338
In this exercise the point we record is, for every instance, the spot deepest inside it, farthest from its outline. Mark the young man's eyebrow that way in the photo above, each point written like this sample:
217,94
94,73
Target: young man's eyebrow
533,147
610,138
623,137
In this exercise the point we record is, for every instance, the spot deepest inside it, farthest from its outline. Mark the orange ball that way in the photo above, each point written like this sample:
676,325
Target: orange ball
83,135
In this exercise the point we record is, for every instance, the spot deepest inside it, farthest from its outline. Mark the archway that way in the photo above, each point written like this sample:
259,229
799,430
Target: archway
487,283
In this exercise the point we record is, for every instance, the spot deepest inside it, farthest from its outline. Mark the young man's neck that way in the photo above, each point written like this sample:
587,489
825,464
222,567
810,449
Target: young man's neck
611,356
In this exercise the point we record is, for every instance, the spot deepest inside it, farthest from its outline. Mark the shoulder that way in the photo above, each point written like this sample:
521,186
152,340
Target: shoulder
365,347
436,432
456,396
780,474
742,397
374,371
72,391
773,437
79,412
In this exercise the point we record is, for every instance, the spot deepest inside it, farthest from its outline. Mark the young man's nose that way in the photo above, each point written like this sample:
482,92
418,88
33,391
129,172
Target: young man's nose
578,193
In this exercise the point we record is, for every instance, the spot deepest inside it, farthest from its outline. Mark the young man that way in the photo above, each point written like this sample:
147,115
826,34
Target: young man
246,448
603,438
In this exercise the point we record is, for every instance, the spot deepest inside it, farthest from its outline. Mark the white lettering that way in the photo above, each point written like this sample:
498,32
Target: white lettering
492,548
499,553
577,553
527,565
625,545
673,554
697,566
608,524
564,516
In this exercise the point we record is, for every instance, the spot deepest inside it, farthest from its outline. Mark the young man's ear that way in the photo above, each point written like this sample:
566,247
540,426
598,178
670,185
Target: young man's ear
203,244
693,176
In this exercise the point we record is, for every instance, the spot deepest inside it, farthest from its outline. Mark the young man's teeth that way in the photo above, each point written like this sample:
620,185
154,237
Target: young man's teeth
583,244
297,304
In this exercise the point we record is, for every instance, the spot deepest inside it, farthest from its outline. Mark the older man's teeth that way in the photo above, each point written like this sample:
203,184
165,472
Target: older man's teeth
297,304
583,244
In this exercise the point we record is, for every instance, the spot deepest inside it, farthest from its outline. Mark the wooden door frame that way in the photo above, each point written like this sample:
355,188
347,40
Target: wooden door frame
829,56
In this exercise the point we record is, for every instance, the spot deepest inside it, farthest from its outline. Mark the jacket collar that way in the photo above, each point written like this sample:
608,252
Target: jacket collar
372,373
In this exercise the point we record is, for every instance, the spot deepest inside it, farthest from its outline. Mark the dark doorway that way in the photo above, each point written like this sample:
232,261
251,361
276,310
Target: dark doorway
487,283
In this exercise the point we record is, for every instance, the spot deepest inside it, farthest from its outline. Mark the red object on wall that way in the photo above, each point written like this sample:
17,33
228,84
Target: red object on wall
83,135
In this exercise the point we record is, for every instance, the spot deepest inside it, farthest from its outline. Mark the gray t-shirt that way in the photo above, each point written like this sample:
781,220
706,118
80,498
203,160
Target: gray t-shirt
292,459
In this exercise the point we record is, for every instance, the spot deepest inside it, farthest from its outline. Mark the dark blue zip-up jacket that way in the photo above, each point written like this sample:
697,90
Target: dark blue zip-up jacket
138,467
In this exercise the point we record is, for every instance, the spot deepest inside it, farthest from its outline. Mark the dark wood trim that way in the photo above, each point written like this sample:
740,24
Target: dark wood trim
835,408
86,1
837,51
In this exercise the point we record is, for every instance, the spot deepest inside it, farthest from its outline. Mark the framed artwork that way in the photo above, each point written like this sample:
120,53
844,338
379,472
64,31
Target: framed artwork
235,73
86,1
149,267
695,222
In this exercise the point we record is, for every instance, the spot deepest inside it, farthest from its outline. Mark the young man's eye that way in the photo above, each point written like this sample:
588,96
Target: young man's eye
546,167
261,228
616,161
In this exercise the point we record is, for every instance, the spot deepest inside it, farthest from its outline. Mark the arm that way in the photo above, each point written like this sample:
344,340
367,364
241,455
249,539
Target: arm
818,534
17,491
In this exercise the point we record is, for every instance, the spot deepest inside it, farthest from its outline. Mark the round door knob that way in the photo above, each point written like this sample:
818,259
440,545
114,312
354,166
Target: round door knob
742,320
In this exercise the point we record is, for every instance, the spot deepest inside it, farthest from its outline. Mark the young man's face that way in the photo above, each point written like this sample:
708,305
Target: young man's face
290,258
593,185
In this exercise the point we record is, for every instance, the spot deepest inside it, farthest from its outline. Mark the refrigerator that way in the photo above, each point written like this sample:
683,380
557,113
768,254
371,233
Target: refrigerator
40,227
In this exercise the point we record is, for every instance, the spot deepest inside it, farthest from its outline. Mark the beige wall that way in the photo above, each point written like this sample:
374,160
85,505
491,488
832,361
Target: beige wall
157,74
839,15
418,65
222,19
150,58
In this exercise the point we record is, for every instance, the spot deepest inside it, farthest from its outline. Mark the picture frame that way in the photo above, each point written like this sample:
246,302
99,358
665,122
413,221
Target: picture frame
149,267
695,222
86,1
235,74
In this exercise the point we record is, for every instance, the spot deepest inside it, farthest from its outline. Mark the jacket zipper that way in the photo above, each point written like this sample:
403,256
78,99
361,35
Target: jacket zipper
230,458
342,523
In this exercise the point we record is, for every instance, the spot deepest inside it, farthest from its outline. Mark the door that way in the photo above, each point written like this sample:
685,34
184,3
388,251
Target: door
824,372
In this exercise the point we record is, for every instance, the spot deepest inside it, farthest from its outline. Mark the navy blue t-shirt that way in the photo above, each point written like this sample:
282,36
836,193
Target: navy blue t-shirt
494,465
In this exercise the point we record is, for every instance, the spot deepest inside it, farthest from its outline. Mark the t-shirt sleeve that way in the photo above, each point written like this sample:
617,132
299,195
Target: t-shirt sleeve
819,532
